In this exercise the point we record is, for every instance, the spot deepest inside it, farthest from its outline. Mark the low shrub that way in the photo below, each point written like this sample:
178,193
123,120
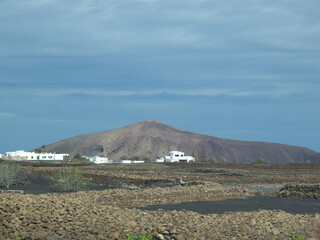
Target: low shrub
20,237
70,179
260,160
295,237
213,160
11,173
139,236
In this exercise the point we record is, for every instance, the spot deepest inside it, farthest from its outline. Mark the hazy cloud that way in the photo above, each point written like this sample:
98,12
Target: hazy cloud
263,89
8,115
115,57
112,26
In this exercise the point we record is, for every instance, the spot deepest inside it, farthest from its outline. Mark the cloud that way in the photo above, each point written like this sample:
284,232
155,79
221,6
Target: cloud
259,89
111,26
159,44
59,58
8,115
29,119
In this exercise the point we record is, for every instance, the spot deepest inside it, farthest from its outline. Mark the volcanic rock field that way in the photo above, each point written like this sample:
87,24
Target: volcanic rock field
111,213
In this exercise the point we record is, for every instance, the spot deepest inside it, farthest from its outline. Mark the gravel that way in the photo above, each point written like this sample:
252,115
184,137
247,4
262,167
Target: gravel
105,215
109,214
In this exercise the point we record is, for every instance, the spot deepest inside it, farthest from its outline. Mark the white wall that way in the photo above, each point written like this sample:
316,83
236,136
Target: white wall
21,155
161,160
99,160
136,161
126,161
177,156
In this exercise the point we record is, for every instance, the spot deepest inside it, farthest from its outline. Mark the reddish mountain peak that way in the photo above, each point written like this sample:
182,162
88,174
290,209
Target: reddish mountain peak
153,139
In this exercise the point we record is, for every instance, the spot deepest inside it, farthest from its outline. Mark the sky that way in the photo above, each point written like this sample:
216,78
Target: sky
244,70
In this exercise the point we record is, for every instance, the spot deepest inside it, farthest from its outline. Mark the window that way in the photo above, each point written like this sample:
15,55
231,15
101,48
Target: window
177,155
44,157
31,157
50,157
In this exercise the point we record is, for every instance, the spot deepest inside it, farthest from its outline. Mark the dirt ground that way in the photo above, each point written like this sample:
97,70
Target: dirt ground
268,175
110,213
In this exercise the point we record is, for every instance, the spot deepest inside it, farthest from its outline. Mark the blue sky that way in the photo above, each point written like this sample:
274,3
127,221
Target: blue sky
246,70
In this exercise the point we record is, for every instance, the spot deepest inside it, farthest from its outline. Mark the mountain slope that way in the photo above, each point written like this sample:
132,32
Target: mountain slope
153,139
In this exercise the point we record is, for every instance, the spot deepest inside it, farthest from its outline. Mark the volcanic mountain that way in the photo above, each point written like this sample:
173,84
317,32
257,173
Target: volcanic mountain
152,139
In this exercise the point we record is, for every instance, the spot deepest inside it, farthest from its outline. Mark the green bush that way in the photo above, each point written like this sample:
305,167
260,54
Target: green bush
77,156
11,173
70,179
138,237
260,160
146,159
20,237
295,237
213,160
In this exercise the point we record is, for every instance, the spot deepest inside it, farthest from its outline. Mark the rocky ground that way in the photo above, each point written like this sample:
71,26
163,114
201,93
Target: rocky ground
109,214
242,174
304,191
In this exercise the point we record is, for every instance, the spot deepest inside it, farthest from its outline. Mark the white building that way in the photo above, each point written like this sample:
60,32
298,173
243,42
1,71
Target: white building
22,155
176,156
126,161
100,160
1,155
131,161
138,161
159,160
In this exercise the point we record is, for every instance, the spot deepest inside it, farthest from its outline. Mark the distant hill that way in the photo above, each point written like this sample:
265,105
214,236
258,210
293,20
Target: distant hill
153,139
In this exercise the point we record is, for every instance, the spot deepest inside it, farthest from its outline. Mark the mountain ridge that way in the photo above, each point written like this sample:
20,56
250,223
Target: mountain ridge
152,139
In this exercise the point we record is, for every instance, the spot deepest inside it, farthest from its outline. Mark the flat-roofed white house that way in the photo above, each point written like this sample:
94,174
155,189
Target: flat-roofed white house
22,155
131,161
176,156
137,161
126,161
159,160
100,160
